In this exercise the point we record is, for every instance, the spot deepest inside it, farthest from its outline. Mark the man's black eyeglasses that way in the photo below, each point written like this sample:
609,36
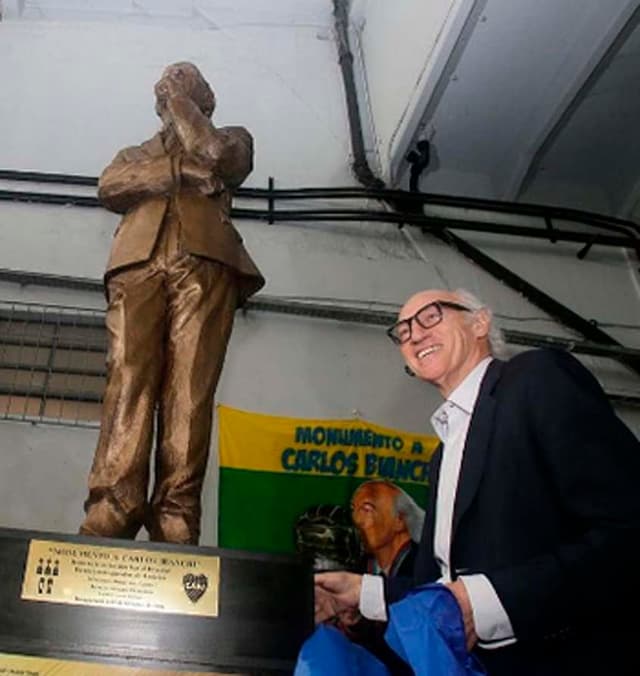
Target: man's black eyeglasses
426,317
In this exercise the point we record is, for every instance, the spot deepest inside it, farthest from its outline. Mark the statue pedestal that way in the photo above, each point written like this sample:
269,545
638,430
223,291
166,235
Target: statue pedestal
123,607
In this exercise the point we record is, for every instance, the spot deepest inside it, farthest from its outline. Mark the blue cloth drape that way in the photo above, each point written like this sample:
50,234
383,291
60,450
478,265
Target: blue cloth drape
425,629
327,652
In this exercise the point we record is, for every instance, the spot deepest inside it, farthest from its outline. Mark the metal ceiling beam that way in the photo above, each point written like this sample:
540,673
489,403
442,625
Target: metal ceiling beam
534,295
604,53
20,312
540,299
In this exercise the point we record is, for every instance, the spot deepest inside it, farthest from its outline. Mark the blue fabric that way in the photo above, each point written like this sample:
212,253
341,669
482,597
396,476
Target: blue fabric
426,630
327,652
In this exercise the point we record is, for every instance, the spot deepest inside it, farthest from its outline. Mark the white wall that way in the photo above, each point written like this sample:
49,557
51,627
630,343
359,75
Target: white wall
74,93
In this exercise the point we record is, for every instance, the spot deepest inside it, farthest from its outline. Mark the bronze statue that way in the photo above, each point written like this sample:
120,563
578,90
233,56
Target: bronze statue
176,273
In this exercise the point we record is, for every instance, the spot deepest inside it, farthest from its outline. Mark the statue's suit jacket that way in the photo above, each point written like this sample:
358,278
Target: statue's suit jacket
548,508
206,228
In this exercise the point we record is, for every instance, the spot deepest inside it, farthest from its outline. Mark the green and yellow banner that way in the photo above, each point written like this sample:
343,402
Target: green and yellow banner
274,468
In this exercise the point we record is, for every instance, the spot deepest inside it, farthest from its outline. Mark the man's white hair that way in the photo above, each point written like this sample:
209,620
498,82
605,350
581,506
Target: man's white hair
413,515
497,344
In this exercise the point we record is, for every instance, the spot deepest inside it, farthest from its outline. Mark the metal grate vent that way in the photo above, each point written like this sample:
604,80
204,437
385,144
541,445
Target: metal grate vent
52,363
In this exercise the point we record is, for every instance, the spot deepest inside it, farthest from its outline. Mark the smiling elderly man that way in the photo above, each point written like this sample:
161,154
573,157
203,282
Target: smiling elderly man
533,509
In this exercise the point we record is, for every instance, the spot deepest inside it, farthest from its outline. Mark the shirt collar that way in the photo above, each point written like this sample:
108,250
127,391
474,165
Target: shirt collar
463,398
465,395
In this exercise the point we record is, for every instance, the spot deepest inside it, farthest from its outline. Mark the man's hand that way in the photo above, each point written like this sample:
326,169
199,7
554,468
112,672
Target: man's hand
460,592
337,596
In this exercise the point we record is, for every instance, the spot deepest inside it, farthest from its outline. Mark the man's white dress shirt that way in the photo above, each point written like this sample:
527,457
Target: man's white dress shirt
451,423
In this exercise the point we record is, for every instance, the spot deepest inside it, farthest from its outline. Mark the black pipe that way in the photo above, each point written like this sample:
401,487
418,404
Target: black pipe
45,279
542,300
41,177
48,198
428,223
360,164
548,213
498,271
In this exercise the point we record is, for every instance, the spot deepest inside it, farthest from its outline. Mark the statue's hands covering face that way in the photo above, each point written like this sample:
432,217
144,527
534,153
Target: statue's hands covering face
170,87
182,81
175,82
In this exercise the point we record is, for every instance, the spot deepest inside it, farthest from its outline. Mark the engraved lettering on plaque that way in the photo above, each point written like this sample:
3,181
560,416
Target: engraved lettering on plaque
26,665
118,577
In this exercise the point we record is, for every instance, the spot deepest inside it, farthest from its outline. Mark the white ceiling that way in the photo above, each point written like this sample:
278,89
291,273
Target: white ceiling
597,141
196,14
539,102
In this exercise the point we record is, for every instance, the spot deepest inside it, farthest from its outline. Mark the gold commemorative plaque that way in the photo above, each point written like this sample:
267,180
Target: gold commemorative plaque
118,577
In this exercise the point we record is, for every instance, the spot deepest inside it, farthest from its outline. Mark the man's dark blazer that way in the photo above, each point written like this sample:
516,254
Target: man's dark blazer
548,508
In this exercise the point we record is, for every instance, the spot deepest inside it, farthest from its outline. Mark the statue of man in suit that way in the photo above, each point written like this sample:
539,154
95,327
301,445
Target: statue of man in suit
176,273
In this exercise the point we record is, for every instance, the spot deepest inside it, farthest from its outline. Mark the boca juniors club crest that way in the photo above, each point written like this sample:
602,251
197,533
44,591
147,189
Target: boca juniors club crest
194,586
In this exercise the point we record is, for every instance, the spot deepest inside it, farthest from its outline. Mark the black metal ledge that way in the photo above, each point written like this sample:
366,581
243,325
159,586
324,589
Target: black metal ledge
53,315
601,230
597,229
